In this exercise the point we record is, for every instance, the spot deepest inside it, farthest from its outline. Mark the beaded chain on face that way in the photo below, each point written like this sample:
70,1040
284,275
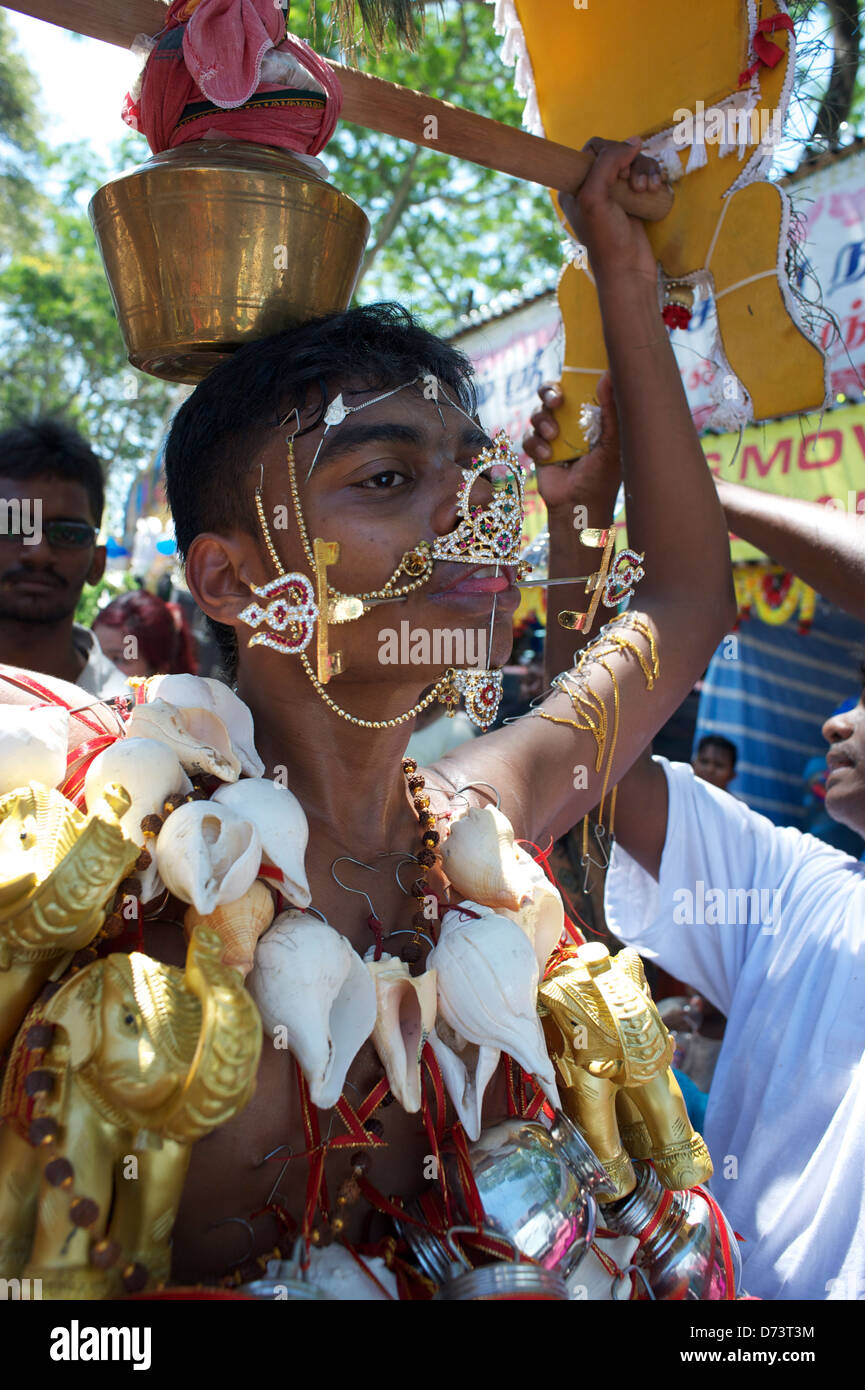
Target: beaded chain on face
416,563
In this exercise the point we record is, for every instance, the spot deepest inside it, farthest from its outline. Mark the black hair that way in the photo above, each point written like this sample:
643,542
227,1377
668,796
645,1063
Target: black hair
53,448
220,429
718,741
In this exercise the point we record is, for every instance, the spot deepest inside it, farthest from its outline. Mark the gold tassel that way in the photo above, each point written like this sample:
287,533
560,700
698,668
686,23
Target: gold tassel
590,710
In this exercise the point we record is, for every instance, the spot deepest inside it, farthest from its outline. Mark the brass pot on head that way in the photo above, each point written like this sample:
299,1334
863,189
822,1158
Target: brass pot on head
218,243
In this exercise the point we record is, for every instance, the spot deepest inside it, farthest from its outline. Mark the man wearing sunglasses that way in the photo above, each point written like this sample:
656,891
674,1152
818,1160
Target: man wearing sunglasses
51,499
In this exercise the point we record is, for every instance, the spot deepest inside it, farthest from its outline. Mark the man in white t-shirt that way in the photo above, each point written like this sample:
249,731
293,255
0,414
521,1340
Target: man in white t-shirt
767,923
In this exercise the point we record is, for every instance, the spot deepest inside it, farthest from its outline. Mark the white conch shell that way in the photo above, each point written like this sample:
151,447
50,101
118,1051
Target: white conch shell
203,692
308,981
278,817
238,925
478,858
149,772
207,855
197,737
488,988
542,918
404,1020
467,1071
33,745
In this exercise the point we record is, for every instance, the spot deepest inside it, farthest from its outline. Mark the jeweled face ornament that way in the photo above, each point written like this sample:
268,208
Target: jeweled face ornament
484,512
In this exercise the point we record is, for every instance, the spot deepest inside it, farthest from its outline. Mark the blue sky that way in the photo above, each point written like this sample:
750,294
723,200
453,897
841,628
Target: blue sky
83,82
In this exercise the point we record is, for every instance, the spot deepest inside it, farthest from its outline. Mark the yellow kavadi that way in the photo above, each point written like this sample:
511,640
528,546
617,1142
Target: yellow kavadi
613,1053
706,87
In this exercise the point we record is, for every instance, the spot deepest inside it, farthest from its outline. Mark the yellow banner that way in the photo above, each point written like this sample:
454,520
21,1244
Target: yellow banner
796,458
790,458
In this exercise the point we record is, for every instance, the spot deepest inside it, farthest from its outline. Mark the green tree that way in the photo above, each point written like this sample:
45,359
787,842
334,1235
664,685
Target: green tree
20,127
63,352
828,91
446,234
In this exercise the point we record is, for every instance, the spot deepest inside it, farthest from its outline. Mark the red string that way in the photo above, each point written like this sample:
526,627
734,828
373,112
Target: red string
542,858
72,786
768,54
434,1119
50,697
719,1229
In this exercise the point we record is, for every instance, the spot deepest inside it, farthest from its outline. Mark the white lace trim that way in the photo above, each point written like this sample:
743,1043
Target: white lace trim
761,160
734,116
515,54
590,423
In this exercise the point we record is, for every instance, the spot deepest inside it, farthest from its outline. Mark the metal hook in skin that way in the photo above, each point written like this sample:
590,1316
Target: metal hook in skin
587,859
405,859
238,1221
600,835
275,1187
409,932
493,789
360,863
289,439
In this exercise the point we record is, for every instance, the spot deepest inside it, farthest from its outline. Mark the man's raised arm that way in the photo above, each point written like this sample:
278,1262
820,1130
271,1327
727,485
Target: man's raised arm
821,545
549,772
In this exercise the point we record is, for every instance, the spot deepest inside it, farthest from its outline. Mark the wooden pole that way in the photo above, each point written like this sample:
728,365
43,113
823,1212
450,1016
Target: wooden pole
383,106
410,115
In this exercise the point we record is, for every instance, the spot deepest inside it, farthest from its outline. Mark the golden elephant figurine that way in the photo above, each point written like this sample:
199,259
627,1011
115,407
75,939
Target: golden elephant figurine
107,1087
613,1054
60,873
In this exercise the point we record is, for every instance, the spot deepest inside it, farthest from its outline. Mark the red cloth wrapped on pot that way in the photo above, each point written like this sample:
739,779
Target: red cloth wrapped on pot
227,67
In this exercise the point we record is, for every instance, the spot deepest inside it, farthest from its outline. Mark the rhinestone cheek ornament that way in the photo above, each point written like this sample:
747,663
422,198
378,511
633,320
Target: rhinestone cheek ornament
487,535
290,604
625,572
612,583
290,611
482,693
